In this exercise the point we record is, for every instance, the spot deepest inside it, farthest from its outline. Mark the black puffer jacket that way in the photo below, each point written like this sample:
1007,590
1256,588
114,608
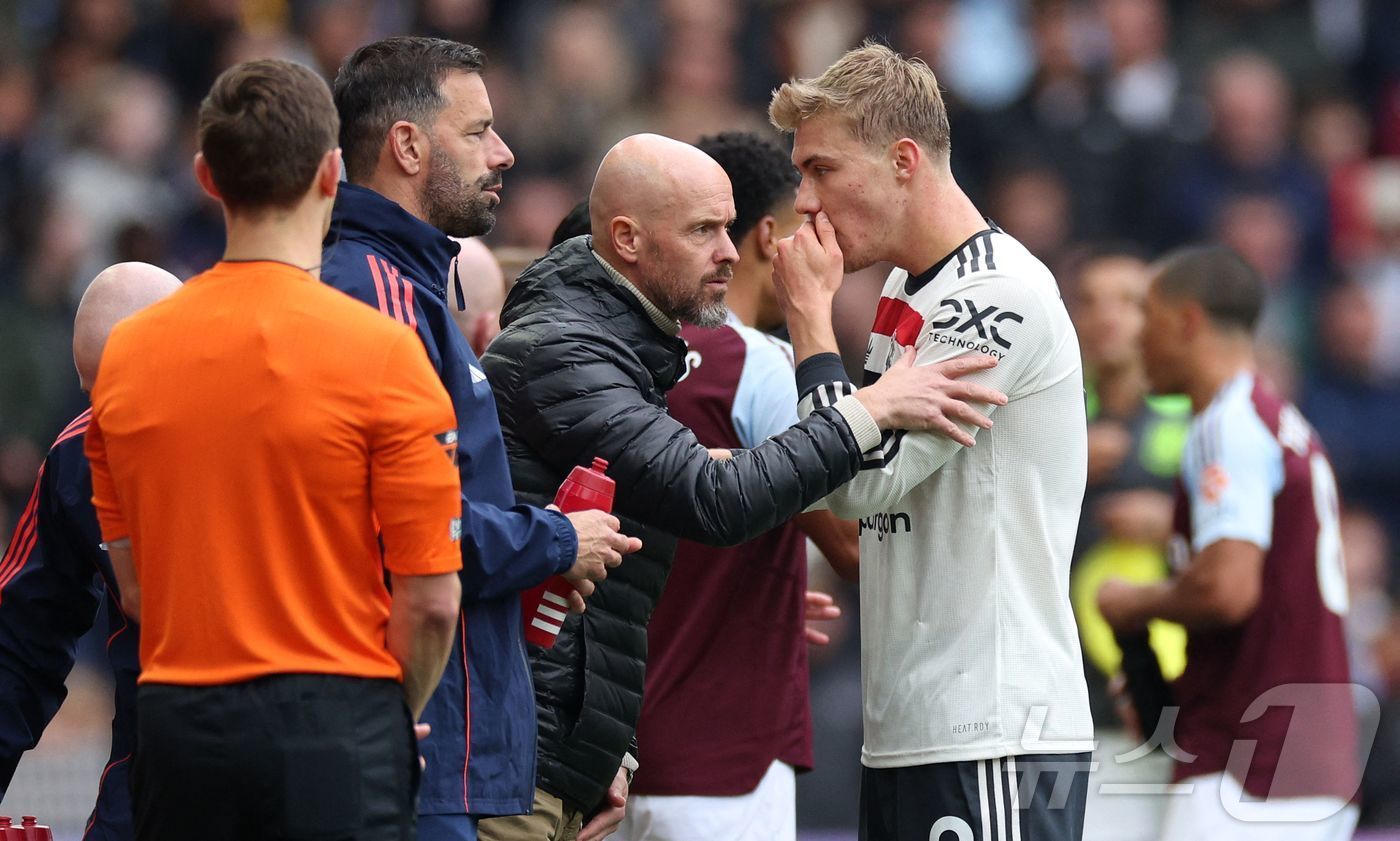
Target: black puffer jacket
579,371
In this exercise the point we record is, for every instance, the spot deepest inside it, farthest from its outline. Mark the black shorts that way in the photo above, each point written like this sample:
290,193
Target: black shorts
289,757
1037,797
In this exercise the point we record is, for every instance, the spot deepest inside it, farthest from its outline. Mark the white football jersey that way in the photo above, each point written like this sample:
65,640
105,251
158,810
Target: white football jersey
969,649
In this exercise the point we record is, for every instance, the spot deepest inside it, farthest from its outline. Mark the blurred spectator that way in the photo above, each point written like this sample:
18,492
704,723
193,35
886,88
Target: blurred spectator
1033,205
1336,136
1066,120
1380,269
1281,30
18,109
1143,85
1366,549
1250,150
1264,230
559,114
458,20
112,177
1354,409
697,87
1373,637
531,205
333,29
1135,444
1382,806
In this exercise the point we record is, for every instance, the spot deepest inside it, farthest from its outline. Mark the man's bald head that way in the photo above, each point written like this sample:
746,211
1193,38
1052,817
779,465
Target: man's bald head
476,289
660,210
117,292
646,174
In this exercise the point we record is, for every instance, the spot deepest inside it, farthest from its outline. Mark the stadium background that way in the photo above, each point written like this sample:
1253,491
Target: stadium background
1272,125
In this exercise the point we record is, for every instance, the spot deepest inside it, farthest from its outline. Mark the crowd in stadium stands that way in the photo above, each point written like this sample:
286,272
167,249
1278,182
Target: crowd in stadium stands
1082,127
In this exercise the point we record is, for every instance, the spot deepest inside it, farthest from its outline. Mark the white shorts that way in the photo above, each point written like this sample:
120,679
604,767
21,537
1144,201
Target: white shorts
1214,809
768,813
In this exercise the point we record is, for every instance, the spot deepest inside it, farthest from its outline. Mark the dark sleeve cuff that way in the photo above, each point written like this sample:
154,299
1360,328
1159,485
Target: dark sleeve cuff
819,370
564,551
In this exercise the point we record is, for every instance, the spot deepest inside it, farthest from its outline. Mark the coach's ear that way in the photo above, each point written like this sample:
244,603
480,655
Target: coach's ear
205,177
406,147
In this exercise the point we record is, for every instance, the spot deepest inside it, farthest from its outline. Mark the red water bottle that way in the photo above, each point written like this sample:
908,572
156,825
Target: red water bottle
8,832
32,830
545,607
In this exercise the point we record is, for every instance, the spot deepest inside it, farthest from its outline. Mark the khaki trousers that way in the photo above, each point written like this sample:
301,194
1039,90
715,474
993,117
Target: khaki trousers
550,821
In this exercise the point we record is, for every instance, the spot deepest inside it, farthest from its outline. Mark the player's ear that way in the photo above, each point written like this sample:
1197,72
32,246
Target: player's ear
765,235
328,174
906,156
1193,320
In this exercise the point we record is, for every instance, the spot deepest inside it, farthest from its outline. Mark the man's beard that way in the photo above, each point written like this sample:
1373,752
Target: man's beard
454,207
696,307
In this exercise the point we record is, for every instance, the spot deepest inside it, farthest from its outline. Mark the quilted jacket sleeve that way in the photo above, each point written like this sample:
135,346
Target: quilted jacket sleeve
568,399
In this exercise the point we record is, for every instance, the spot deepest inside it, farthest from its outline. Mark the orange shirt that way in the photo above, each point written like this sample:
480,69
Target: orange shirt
247,433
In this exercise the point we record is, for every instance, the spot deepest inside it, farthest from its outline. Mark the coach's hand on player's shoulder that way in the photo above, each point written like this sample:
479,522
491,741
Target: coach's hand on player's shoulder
808,268
931,397
600,548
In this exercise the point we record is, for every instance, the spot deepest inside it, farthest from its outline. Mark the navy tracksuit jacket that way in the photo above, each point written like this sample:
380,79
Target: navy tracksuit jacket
53,576
481,754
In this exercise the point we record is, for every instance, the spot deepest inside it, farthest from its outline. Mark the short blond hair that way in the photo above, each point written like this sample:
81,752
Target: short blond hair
884,95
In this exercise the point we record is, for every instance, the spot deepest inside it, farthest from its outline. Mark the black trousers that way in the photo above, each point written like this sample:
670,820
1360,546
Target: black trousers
289,757
1037,797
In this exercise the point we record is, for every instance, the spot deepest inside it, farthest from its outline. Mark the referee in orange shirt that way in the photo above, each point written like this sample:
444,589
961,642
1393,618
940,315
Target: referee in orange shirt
263,449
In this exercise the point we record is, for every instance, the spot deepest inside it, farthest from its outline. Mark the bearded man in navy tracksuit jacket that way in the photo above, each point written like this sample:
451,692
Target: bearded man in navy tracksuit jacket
423,163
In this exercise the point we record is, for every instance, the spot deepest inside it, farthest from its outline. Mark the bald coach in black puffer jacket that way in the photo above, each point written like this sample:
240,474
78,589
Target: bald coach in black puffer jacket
581,370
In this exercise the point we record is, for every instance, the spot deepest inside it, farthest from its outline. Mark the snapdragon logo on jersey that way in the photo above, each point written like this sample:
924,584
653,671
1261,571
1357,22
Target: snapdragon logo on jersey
885,525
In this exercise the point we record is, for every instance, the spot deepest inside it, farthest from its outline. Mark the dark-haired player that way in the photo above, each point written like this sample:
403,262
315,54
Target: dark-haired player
1259,581
729,626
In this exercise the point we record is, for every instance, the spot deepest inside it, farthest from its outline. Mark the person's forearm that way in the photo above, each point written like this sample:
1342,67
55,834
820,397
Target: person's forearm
124,568
420,635
1180,601
421,645
838,540
811,332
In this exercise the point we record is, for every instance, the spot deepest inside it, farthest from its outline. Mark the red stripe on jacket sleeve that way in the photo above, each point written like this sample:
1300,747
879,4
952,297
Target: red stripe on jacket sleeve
378,283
